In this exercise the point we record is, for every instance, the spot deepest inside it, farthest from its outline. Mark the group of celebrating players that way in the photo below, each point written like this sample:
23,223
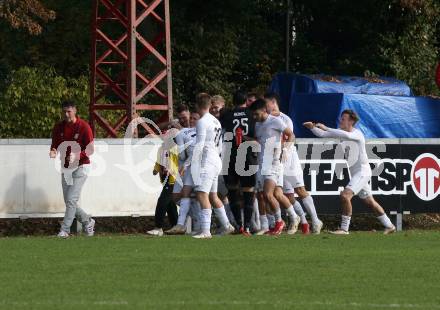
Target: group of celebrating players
243,164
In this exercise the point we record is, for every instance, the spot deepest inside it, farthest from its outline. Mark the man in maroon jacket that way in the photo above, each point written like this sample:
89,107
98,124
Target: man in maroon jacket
73,139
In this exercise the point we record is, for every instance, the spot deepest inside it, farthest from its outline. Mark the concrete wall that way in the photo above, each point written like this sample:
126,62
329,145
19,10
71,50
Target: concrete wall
121,180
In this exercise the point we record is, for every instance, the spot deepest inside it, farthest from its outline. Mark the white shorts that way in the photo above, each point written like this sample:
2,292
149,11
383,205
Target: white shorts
293,175
187,177
293,166
208,179
359,185
275,174
292,182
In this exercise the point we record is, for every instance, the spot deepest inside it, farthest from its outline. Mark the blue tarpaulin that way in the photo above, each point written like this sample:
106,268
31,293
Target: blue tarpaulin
381,116
324,84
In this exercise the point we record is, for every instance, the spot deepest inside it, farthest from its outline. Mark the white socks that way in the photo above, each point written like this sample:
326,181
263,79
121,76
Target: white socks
300,212
220,213
345,222
385,221
206,220
310,208
195,214
291,213
277,215
256,223
185,204
229,214
270,219
264,223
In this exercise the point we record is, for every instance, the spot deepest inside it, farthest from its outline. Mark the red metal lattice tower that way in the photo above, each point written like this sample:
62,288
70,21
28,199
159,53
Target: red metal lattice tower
131,62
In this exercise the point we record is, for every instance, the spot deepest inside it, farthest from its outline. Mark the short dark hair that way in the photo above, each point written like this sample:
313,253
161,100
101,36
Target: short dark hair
182,108
352,114
239,98
252,94
258,105
68,104
203,100
272,96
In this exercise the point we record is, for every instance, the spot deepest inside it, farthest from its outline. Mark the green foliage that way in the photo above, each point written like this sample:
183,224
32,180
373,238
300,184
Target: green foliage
412,50
64,43
218,51
221,45
30,104
385,37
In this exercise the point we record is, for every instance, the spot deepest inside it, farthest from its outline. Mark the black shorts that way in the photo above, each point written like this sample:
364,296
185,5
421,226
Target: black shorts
234,180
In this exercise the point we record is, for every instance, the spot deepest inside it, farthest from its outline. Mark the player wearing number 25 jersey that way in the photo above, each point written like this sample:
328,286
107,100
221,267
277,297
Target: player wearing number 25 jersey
239,125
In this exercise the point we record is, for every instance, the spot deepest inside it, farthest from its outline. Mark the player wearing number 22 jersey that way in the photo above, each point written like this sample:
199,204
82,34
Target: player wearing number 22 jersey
206,166
208,142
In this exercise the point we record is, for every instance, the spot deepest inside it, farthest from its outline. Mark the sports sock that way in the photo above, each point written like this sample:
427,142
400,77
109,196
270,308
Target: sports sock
300,212
345,222
195,214
206,220
385,221
277,215
185,204
310,208
291,213
264,223
220,213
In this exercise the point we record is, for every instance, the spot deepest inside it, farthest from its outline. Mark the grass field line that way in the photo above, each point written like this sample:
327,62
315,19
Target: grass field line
226,303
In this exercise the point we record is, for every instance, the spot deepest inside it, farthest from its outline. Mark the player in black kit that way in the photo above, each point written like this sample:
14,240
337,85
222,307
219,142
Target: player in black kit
239,126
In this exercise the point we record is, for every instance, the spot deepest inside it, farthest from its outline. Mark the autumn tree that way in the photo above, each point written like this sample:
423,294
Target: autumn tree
27,14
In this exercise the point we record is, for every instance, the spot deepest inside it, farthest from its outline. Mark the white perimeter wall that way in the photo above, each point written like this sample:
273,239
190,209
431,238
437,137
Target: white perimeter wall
121,182
30,184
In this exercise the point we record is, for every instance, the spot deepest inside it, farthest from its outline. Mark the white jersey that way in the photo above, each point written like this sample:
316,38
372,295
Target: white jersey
208,140
268,134
181,144
360,165
292,166
287,120
186,139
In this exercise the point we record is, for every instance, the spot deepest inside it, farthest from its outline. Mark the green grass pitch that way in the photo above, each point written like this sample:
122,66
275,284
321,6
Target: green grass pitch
359,271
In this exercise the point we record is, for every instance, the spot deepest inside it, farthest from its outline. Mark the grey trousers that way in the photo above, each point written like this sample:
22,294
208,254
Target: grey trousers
72,192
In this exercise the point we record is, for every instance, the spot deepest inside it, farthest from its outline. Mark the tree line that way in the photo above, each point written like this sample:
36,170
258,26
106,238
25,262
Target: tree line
217,46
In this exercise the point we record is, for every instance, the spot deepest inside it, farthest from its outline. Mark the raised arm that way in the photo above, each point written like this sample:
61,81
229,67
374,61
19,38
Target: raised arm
323,131
317,131
342,134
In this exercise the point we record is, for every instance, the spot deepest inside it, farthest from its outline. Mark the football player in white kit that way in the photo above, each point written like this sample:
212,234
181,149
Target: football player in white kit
360,171
217,109
269,132
182,191
293,181
206,166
